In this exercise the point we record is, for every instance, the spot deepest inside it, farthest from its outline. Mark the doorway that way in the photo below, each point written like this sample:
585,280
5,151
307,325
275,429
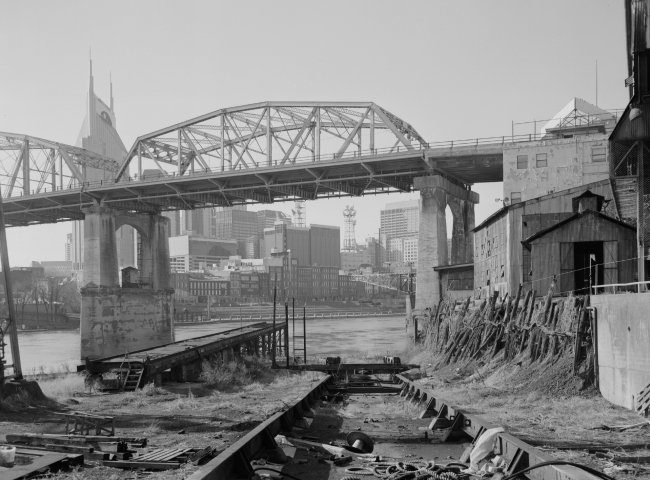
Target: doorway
588,264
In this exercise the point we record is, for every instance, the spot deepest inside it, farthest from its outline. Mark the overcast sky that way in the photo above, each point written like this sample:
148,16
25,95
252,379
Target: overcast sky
454,70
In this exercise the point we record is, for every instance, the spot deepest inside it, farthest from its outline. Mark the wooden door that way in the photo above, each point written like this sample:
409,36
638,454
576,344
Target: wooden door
567,280
610,261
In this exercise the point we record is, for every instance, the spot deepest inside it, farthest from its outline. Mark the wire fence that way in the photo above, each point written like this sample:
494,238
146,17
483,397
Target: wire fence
589,289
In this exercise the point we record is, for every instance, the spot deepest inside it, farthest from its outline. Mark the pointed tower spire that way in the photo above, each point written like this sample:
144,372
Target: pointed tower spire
90,82
110,78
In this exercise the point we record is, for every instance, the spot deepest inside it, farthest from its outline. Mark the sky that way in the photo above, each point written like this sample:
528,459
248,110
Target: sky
454,70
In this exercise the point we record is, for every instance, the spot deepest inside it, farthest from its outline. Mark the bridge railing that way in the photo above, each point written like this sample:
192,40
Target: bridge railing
369,153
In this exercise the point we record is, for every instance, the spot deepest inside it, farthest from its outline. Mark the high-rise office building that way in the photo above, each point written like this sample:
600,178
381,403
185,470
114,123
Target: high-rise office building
325,245
401,219
267,219
313,245
400,222
288,238
233,223
98,134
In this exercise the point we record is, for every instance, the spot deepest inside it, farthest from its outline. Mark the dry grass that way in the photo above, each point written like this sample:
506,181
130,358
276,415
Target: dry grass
61,386
228,375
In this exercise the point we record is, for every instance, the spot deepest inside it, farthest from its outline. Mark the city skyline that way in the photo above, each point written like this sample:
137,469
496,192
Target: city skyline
534,87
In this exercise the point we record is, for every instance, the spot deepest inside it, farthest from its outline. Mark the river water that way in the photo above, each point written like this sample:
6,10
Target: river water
57,350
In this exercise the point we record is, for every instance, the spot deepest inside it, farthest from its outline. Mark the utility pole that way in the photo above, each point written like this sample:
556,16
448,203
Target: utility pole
11,327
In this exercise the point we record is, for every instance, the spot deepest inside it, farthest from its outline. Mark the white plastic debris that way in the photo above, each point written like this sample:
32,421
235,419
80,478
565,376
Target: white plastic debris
484,446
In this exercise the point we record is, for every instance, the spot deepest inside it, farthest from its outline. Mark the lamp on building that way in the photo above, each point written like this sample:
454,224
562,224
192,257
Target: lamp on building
635,113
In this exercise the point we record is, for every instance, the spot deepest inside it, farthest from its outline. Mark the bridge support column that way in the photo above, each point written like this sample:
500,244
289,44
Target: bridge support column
100,248
436,192
115,320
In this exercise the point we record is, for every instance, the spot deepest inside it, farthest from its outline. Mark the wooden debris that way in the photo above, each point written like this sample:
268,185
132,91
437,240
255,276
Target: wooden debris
163,459
642,401
536,330
81,423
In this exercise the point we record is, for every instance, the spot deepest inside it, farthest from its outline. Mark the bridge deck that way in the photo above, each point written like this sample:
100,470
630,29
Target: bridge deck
163,357
350,175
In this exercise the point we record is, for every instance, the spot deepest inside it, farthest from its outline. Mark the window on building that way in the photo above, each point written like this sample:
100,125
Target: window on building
515,197
540,160
598,154
522,162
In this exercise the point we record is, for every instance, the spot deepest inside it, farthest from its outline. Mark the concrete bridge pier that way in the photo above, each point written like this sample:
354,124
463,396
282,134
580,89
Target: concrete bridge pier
115,319
436,192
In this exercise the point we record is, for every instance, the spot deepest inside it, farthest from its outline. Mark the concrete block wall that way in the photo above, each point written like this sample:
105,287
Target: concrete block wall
623,337
116,320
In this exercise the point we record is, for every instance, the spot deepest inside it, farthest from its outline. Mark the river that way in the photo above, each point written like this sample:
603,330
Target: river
59,350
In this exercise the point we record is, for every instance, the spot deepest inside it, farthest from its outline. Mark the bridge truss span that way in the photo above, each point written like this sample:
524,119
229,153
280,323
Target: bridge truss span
260,153
271,134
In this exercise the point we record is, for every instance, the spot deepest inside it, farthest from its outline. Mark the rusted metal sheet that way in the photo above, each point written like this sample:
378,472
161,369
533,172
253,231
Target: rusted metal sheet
517,453
234,462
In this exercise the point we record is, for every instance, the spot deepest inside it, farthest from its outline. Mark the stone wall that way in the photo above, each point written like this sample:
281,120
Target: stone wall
116,320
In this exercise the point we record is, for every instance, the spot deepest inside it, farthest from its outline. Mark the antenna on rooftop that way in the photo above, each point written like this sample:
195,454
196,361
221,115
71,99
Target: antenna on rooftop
349,238
299,214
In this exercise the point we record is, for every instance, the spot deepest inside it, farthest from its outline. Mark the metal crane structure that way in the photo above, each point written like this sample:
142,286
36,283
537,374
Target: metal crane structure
350,222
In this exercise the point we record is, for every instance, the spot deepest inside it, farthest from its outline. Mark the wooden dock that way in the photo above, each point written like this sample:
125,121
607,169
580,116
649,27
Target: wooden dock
184,358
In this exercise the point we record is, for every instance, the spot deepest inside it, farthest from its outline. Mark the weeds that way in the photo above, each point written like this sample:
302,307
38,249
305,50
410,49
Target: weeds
16,402
61,385
227,375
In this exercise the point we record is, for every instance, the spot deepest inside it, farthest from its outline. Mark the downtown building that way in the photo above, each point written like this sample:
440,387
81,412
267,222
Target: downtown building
98,134
400,223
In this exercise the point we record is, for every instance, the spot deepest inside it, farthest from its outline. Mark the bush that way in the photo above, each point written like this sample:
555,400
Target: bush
225,375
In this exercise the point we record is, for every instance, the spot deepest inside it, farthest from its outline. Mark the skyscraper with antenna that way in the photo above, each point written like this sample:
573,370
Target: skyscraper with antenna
350,222
98,134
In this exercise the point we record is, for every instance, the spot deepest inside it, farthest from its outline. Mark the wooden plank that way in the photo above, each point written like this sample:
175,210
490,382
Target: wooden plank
39,451
88,438
141,465
51,461
40,440
70,448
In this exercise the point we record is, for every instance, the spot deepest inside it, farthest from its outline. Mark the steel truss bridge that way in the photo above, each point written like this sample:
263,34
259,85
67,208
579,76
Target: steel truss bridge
259,153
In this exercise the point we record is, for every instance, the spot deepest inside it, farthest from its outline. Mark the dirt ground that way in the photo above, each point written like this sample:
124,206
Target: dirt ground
174,415
545,405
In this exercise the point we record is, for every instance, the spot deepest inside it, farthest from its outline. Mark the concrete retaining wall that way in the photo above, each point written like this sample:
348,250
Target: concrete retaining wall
623,345
116,320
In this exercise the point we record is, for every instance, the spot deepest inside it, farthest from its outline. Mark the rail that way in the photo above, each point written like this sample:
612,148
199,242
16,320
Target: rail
234,462
632,287
518,454
202,317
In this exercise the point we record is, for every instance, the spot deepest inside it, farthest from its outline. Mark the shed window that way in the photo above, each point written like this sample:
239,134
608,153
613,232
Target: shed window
598,154
540,160
522,162
515,197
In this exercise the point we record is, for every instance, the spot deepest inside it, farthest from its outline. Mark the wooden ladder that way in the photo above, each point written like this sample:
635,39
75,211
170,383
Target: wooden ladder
133,378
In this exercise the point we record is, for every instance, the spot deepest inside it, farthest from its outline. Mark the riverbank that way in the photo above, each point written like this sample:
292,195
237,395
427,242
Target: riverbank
543,404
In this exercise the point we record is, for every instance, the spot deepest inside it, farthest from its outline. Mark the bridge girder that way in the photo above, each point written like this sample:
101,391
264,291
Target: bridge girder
269,134
31,165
